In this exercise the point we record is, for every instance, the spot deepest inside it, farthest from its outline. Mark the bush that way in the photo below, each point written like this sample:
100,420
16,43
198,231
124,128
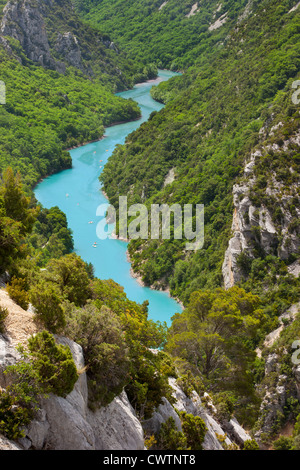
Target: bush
47,302
3,315
54,364
12,416
169,438
16,291
251,444
99,333
283,443
194,429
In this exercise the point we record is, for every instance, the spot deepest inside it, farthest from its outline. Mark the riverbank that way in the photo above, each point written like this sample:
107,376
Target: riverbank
78,193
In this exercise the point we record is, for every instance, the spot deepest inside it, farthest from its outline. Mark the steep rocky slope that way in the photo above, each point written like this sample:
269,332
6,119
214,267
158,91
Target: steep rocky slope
51,34
68,423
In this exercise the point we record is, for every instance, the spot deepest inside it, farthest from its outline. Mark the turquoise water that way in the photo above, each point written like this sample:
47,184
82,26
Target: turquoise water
77,192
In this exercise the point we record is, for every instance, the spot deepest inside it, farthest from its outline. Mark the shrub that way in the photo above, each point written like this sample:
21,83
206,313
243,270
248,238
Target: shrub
54,364
3,315
99,333
283,443
169,438
47,302
16,291
251,444
12,416
194,429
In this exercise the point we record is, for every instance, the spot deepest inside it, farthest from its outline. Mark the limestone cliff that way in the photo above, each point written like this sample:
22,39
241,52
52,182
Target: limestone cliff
69,424
267,224
51,34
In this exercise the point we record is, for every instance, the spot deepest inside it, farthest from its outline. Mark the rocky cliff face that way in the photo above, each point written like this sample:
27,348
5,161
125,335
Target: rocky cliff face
254,225
48,42
23,22
68,423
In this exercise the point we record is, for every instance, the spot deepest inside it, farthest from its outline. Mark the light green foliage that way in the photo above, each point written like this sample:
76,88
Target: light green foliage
54,364
17,291
50,237
250,445
12,416
47,302
3,316
69,274
213,335
100,334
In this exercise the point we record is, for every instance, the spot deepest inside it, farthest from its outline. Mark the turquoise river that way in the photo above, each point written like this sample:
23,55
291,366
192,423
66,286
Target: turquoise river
77,192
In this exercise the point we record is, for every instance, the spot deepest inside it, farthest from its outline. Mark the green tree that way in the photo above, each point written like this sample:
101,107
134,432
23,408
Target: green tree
16,204
47,302
169,438
100,334
194,429
54,364
70,275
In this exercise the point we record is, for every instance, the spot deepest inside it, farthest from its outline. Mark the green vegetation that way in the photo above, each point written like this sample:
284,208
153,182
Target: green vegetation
3,316
46,113
214,339
235,88
190,438
45,368
115,333
207,130
165,36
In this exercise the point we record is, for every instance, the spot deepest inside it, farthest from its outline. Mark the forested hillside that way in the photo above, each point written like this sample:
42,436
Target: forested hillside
211,125
59,86
171,34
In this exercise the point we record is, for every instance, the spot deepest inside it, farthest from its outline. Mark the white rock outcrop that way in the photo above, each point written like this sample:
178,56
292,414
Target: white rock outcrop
68,423
230,431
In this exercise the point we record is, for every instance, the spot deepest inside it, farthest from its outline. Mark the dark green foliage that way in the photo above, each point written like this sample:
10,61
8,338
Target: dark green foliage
51,113
148,374
17,217
54,364
213,338
12,416
45,368
250,445
165,36
194,429
283,443
3,316
16,291
190,438
169,438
